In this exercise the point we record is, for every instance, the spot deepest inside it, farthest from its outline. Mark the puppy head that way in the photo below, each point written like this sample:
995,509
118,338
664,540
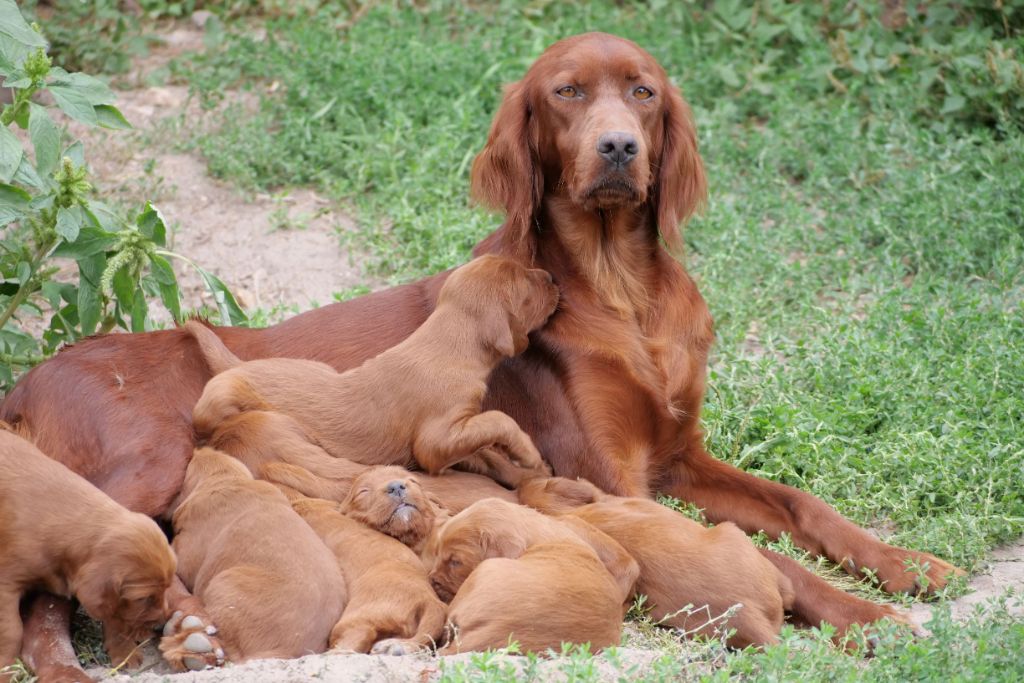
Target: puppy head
507,299
391,501
126,576
488,528
208,465
557,494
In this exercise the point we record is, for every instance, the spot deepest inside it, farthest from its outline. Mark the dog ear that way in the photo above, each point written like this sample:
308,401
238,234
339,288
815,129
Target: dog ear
619,563
681,186
506,173
497,331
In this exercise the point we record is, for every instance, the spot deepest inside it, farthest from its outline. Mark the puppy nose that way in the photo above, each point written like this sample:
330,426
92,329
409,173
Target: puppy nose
396,489
618,148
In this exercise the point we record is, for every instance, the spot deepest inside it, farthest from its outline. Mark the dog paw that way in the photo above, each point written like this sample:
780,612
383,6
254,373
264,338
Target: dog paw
190,644
396,647
906,571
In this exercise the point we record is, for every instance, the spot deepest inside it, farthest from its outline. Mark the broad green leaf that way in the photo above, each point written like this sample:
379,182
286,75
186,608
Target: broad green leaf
70,221
728,75
27,175
163,273
124,289
17,80
10,154
151,224
24,273
90,301
171,298
230,312
16,37
139,311
952,103
76,152
111,117
74,104
45,139
104,216
14,203
91,240
92,89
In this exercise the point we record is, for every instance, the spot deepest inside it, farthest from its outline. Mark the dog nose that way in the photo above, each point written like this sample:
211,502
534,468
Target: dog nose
618,148
396,489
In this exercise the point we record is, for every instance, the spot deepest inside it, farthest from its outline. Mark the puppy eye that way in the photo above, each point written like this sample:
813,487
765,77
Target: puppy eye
567,92
362,492
453,563
643,93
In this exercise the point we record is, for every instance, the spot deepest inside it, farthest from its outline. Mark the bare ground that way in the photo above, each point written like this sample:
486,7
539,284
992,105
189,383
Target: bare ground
284,251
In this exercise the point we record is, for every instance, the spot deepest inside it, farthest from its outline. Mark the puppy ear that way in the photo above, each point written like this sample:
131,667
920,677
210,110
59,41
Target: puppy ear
619,563
497,331
681,186
98,589
506,173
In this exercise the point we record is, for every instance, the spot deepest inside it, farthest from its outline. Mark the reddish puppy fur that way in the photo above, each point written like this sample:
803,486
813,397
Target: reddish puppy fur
513,574
691,575
392,501
61,534
267,580
610,389
391,608
495,528
553,593
450,491
418,402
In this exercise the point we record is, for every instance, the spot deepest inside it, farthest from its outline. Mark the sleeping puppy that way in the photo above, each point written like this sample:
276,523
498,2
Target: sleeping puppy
391,608
692,576
418,402
511,572
451,491
392,501
61,534
268,582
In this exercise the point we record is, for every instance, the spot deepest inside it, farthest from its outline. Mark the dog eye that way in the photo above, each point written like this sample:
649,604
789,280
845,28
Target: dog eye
642,93
567,92
453,563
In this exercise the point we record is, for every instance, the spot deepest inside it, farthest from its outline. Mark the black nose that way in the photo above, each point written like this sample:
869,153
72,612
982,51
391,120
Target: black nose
396,489
618,148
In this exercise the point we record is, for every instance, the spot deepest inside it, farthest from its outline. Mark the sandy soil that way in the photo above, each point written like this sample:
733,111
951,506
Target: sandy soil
238,237
281,251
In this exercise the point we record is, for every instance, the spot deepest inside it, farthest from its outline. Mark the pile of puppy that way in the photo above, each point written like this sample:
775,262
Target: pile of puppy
301,528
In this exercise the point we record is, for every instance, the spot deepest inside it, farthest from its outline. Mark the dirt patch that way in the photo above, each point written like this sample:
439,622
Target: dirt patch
281,253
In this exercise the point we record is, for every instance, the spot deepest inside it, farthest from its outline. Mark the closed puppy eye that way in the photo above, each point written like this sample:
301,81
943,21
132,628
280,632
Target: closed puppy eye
454,563
643,93
567,91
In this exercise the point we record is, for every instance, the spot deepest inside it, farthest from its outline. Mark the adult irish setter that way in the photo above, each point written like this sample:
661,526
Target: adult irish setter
593,158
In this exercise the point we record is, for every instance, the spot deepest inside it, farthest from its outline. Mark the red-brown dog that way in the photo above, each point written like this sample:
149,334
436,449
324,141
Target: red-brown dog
694,578
391,608
419,401
513,573
61,534
268,582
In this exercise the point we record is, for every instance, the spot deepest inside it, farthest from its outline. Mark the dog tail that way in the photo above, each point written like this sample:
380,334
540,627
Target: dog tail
218,357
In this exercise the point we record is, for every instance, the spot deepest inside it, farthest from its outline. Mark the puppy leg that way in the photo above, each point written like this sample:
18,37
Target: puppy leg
429,632
189,640
353,634
10,630
46,645
123,647
444,443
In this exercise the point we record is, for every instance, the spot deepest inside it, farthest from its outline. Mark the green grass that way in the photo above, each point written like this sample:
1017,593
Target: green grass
862,253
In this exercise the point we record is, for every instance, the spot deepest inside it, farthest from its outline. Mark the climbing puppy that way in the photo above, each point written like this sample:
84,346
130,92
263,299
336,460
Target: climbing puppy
419,402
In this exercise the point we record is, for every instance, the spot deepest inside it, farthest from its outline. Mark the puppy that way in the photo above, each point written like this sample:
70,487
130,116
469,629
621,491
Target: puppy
692,576
418,402
512,573
61,534
450,491
268,582
392,501
391,608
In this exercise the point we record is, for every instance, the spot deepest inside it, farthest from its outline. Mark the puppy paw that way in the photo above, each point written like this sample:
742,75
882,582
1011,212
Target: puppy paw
190,644
396,647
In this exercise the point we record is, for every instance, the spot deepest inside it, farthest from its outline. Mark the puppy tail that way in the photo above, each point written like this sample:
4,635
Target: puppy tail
218,357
